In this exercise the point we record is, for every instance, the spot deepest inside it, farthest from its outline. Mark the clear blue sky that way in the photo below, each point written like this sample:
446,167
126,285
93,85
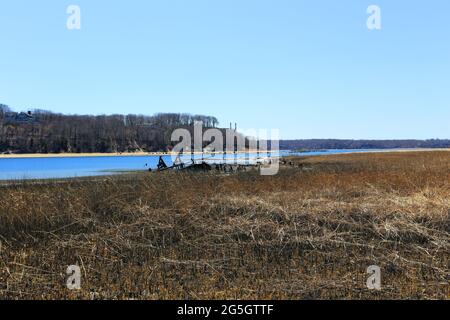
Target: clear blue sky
309,68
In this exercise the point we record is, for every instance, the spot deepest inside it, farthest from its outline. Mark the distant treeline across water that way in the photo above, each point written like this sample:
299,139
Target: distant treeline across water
314,144
42,131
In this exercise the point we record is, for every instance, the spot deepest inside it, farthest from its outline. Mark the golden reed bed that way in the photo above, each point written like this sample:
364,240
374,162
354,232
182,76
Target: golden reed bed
309,232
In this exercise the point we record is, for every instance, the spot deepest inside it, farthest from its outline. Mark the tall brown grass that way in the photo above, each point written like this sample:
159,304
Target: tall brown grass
309,232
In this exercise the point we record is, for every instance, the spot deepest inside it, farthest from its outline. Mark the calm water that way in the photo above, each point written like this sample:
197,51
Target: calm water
47,168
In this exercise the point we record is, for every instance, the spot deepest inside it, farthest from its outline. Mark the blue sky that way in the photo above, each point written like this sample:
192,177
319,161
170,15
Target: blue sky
309,68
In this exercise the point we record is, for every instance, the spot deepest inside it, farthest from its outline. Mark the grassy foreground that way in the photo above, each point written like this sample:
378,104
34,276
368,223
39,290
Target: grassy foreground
309,232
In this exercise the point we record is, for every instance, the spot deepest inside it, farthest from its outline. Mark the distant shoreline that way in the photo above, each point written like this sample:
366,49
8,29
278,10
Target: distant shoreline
143,154
77,155
98,154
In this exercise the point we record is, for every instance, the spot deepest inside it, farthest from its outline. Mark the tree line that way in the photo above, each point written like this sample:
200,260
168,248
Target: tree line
314,144
50,132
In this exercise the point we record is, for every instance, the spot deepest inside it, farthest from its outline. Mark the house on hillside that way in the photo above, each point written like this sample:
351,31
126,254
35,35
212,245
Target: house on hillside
22,117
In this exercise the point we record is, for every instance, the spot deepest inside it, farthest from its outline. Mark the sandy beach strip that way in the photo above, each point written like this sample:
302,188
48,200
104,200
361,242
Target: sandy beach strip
97,154
149,154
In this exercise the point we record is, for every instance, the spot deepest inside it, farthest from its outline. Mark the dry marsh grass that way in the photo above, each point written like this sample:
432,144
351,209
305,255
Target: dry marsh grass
309,232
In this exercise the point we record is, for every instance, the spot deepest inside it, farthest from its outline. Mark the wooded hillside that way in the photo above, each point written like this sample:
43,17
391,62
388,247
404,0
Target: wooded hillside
46,132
